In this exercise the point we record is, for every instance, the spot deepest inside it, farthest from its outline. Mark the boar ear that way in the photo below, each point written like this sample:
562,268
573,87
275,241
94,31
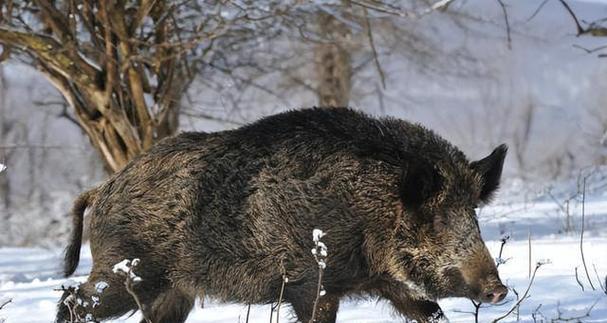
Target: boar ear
419,181
490,169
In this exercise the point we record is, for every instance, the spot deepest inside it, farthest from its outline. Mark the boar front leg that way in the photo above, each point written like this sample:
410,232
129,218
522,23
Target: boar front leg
423,311
302,299
419,309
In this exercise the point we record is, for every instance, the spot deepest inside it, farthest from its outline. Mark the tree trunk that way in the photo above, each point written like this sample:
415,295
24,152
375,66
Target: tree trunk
333,62
124,86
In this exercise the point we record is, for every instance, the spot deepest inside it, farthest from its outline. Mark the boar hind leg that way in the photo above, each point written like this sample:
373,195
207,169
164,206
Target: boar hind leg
326,309
172,306
113,301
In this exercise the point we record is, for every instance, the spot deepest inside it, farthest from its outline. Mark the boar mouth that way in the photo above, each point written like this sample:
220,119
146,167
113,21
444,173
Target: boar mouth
494,294
492,291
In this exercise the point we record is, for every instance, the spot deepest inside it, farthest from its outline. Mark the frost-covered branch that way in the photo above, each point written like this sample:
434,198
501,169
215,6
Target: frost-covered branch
320,255
578,318
126,268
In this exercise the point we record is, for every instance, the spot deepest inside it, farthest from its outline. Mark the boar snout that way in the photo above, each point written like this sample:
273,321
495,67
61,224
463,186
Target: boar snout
494,294
481,276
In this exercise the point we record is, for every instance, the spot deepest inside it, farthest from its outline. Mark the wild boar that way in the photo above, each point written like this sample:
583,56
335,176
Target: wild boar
225,214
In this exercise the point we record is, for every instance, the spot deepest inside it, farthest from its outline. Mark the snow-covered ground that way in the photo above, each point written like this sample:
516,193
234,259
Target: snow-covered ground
29,276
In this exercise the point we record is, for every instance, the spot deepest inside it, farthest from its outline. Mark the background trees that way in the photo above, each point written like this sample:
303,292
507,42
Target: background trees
447,64
123,66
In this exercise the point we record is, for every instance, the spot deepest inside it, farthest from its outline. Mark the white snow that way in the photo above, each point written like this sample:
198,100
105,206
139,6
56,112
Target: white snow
122,267
101,286
317,234
29,276
126,267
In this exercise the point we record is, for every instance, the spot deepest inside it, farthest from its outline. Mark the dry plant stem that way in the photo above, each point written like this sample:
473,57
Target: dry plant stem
282,290
535,312
518,303
380,71
5,303
71,306
518,308
529,240
580,30
589,50
539,8
577,278
506,20
578,318
499,256
318,287
73,315
593,29
128,283
598,278
271,312
477,307
582,235
248,312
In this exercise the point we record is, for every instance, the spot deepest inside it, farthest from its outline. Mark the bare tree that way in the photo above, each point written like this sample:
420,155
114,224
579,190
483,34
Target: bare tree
122,66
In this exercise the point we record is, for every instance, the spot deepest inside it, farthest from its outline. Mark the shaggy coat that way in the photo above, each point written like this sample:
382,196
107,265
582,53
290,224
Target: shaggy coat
224,214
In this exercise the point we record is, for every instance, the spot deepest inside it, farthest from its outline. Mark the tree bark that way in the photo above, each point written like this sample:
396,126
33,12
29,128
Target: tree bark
333,62
110,91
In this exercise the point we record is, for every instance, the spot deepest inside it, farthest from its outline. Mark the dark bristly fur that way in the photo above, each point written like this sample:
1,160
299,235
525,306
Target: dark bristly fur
215,214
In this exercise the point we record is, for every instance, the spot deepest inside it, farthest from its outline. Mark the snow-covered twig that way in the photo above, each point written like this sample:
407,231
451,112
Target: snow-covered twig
536,311
72,301
578,318
126,268
320,255
2,167
500,260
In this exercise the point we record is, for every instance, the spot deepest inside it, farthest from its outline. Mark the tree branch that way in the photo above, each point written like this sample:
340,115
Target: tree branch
507,22
580,30
52,53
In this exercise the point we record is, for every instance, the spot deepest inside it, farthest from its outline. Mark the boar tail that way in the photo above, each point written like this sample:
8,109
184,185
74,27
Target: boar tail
72,252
